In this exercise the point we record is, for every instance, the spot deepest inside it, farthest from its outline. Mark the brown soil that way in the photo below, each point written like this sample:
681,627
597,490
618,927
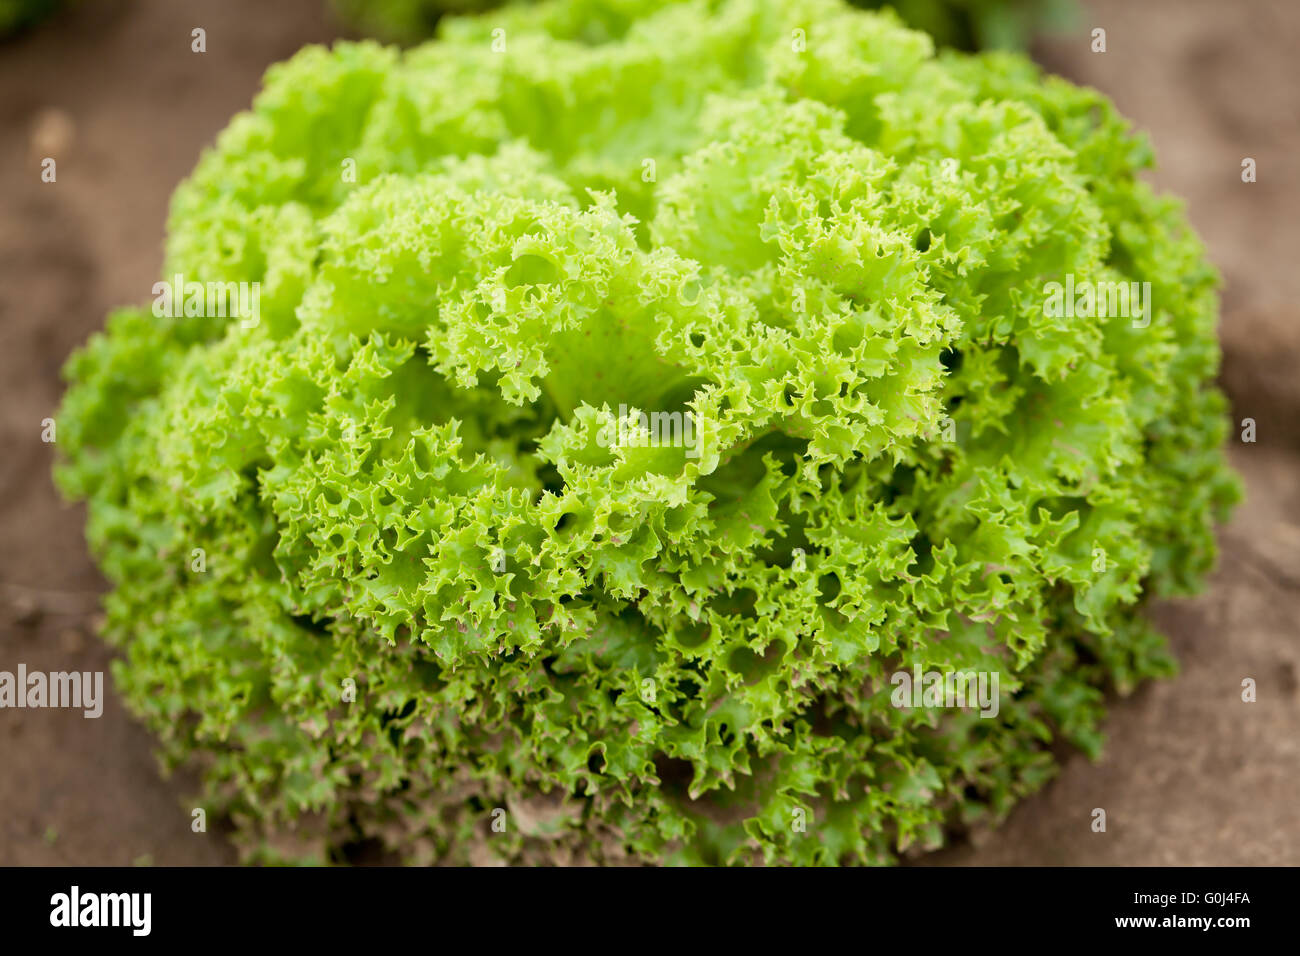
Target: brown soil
111,89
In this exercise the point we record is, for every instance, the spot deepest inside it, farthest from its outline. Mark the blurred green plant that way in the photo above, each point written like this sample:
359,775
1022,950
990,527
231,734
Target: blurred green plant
981,24
963,24
18,15
403,21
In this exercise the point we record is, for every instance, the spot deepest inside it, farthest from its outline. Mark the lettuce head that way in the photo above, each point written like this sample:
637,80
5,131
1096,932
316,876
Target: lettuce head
619,398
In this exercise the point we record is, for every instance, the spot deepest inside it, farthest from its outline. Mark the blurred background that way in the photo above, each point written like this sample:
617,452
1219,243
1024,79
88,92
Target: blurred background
113,92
